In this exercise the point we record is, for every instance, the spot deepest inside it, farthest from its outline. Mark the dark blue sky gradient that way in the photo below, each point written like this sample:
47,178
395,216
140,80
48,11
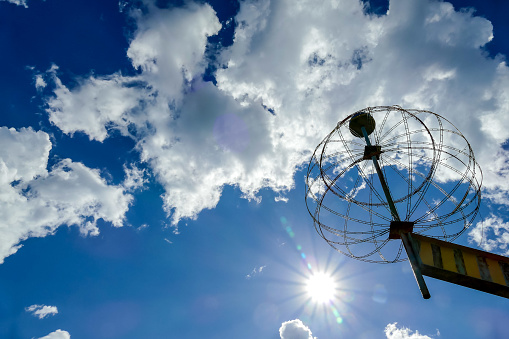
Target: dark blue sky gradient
131,282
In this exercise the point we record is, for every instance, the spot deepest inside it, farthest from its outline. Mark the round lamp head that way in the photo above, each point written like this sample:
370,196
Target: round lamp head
361,119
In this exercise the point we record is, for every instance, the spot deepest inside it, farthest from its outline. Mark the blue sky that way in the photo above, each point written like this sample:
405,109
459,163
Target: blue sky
154,155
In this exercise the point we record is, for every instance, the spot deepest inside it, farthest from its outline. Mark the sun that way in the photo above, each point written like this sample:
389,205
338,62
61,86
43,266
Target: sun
321,287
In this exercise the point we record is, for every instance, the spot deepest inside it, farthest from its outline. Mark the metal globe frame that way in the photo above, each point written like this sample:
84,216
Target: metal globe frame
413,171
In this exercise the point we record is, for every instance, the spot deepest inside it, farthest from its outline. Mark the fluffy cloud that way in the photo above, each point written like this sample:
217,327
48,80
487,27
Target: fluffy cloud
96,104
35,201
492,235
18,2
421,55
169,45
295,329
58,334
393,332
293,71
42,311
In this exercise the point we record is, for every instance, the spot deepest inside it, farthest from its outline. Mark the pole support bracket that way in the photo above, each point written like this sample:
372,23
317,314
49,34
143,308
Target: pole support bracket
398,227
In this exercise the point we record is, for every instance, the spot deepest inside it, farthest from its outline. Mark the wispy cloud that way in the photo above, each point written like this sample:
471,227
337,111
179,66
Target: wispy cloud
135,178
42,311
39,82
281,198
256,271
18,2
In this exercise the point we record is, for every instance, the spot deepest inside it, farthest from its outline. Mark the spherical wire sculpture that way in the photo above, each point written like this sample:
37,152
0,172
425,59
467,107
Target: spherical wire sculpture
425,166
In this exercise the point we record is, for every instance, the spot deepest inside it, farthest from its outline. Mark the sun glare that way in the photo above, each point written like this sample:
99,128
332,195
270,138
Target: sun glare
321,287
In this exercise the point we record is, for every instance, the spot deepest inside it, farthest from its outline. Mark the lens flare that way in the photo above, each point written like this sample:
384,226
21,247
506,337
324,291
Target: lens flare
321,287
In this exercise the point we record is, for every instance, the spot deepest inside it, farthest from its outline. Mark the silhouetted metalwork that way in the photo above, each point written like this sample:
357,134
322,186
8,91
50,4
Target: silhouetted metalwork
429,166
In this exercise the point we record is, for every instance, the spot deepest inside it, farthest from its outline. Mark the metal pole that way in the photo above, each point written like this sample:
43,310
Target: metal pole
415,262
405,237
392,207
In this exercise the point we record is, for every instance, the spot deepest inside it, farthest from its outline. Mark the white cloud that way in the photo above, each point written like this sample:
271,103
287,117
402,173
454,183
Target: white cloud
135,178
422,52
58,334
393,332
39,82
24,155
491,234
293,71
295,329
281,198
35,201
168,46
18,2
96,104
42,311
255,271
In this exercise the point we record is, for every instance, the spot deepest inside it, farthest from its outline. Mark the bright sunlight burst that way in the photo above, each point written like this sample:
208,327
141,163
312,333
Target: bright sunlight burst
321,287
